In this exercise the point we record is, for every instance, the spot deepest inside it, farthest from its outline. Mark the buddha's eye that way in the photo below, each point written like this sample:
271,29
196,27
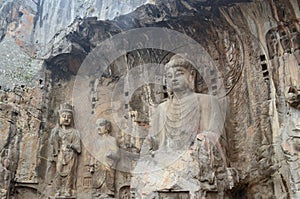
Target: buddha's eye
179,72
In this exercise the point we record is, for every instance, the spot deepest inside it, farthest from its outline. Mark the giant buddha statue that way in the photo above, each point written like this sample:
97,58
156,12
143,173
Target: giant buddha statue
183,149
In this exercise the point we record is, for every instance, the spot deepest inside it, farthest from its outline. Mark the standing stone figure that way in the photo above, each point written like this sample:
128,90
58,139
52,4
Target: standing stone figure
102,169
183,150
65,148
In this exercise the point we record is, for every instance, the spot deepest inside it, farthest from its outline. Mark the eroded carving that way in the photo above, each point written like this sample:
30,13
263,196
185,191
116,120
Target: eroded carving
291,147
102,170
294,30
273,44
124,192
293,96
283,39
5,175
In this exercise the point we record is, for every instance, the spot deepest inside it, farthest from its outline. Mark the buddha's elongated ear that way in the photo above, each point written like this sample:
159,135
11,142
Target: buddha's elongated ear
192,78
193,73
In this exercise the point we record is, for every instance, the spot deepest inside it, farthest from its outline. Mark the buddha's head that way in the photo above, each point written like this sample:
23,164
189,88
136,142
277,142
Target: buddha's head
180,75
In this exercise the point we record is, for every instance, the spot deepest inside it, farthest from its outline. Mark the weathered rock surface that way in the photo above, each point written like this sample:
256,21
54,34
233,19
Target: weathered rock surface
21,131
254,45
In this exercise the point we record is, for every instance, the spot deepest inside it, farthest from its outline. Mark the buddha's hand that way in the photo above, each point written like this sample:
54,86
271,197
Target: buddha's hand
112,155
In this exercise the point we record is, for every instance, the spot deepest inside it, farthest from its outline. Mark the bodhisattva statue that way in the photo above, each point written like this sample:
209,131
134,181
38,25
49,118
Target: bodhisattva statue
102,169
65,148
182,150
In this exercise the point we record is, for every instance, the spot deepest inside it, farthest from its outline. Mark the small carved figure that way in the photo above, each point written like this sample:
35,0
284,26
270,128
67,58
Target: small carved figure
285,38
65,148
293,96
102,170
295,34
273,43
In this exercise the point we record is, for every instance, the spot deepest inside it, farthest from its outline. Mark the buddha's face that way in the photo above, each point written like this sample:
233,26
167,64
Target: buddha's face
65,118
178,79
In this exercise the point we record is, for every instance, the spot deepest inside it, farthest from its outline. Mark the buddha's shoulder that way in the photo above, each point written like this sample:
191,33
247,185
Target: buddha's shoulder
200,96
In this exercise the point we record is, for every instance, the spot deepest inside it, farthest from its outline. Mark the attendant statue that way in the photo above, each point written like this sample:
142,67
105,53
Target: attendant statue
65,149
102,169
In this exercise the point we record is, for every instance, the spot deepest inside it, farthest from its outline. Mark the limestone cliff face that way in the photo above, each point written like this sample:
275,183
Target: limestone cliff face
32,24
254,45
62,13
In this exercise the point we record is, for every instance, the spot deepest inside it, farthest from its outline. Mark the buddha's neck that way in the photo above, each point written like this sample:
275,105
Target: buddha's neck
182,94
65,127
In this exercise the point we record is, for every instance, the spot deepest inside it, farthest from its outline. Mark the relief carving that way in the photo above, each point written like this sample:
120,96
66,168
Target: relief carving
291,147
295,35
293,97
273,44
5,175
284,38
